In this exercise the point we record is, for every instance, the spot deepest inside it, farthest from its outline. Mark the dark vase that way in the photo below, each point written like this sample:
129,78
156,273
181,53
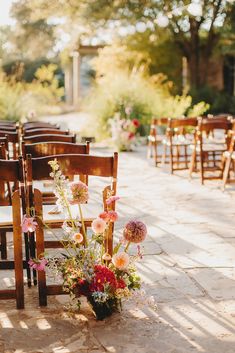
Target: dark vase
103,310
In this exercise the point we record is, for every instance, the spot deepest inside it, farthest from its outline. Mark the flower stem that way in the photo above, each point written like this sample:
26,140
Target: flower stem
127,246
83,225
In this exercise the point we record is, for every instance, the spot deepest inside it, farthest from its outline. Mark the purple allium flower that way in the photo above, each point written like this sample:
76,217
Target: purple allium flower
79,192
135,231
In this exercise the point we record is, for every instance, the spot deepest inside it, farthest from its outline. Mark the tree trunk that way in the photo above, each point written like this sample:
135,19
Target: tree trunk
194,69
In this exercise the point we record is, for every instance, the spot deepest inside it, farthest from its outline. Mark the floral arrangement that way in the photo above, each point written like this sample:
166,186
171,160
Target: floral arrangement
123,130
87,266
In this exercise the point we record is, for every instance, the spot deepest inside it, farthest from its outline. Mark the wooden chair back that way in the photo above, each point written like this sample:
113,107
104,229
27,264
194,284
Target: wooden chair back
209,125
182,122
5,188
54,148
38,125
7,128
45,131
12,171
49,138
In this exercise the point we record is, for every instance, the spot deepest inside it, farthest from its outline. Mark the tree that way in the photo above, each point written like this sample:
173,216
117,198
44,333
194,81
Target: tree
194,28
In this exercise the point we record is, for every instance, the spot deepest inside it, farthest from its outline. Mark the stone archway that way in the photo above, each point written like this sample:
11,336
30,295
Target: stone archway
73,86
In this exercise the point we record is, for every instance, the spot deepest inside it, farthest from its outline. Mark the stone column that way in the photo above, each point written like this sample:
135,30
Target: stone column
76,78
68,83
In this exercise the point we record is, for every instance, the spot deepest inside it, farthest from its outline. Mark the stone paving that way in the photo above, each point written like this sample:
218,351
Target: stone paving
189,267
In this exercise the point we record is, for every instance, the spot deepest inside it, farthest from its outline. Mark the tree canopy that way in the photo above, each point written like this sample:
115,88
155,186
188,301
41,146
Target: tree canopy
194,28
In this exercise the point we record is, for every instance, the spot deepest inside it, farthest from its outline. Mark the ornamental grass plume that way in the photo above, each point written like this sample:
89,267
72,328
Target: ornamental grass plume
79,192
109,216
135,231
112,199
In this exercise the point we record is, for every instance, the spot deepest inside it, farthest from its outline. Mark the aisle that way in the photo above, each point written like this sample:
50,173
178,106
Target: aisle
189,266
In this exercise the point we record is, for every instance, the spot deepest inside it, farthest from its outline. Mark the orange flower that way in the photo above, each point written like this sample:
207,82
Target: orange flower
78,238
121,260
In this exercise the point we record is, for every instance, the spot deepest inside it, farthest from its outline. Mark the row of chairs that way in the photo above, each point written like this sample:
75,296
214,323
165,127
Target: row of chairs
197,144
18,178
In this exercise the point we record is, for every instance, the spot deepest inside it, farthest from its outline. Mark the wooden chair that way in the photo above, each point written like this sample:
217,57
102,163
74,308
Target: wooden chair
45,131
13,142
208,149
155,138
10,219
38,169
229,160
49,138
179,137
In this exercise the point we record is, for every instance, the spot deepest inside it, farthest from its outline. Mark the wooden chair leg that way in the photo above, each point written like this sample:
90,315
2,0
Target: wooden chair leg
3,245
27,257
192,163
226,172
18,254
163,161
40,248
202,167
171,160
149,150
186,156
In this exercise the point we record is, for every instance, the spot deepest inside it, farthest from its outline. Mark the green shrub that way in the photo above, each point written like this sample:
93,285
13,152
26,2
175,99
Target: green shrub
148,96
17,98
220,101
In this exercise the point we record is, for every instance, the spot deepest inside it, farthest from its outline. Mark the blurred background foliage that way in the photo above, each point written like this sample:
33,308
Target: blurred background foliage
141,66
18,98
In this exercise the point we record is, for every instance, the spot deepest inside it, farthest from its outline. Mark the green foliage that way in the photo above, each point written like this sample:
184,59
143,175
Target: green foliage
219,101
17,98
28,69
147,96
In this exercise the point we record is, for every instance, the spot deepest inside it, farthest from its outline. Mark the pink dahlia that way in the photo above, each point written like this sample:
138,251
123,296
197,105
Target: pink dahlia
104,215
112,199
103,276
79,192
28,224
135,231
113,216
98,226
136,122
38,264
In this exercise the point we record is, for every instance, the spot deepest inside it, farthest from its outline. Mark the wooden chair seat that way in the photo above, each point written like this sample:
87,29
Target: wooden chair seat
158,138
179,141
210,147
90,210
